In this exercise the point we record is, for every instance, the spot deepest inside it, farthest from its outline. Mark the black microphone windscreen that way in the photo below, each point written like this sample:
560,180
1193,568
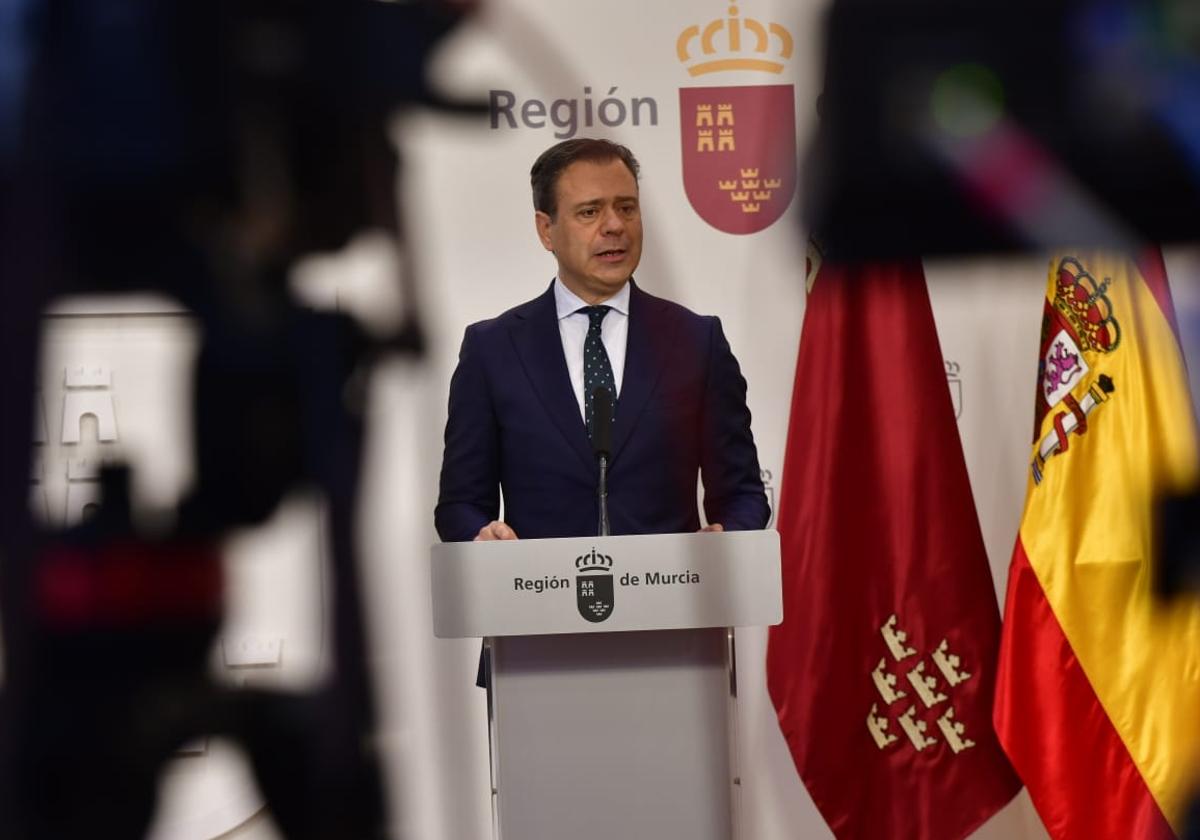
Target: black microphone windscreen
602,416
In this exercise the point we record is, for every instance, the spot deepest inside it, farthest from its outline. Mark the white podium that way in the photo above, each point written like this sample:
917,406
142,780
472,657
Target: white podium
613,679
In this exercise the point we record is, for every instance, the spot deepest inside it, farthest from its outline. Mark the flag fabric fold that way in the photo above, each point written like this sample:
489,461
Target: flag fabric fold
882,673
1098,689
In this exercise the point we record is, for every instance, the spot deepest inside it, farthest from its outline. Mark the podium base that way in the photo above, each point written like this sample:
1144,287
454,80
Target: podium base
613,735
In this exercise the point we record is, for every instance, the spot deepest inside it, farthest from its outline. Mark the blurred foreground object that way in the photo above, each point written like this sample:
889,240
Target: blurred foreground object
1178,571
1006,124
201,150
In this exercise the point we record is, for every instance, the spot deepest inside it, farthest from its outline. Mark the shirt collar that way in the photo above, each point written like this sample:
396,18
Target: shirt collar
567,302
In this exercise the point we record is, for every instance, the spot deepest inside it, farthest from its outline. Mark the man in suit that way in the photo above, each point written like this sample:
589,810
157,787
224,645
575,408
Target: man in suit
520,410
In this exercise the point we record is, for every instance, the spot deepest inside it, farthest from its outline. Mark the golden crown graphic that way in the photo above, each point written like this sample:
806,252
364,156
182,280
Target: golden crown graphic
1085,304
744,44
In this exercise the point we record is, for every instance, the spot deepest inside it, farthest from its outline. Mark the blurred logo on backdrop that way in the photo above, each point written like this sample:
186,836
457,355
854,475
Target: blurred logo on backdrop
954,380
769,489
739,142
85,442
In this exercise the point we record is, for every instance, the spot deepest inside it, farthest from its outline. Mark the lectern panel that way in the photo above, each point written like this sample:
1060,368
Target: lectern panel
602,584
620,735
611,693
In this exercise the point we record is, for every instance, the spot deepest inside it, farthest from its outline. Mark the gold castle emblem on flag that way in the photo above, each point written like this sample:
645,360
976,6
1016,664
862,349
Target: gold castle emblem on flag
747,189
764,49
929,704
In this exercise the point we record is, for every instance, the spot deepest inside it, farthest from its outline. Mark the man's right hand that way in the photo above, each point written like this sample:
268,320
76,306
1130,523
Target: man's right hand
496,530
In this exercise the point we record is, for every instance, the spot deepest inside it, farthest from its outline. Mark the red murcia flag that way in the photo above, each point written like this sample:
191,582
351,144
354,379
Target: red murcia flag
739,154
883,668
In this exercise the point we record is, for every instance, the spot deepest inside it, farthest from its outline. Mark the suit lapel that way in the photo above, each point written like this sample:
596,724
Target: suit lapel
539,346
646,356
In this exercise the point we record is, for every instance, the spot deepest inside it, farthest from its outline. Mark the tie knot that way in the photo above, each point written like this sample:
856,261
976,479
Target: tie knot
595,314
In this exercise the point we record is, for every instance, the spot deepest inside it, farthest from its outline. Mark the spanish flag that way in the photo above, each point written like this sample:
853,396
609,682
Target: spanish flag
1098,686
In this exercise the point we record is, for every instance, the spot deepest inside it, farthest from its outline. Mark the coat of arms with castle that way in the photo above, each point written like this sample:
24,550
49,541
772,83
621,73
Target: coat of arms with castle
1079,328
739,142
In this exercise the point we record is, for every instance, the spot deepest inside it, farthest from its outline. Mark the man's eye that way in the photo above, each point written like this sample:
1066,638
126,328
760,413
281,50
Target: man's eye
588,212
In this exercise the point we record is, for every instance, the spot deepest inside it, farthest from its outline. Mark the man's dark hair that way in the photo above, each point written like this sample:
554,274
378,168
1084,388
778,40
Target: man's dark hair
550,164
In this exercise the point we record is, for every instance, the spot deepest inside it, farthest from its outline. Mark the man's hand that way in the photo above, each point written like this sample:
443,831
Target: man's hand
713,528
496,530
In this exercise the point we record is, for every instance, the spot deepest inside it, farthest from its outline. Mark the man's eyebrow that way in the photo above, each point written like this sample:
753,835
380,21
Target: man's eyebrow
597,202
591,202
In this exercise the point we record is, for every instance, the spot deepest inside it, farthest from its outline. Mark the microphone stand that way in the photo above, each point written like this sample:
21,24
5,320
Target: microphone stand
602,414
602,493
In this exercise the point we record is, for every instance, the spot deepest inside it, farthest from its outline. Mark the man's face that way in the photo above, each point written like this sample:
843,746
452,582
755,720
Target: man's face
596,234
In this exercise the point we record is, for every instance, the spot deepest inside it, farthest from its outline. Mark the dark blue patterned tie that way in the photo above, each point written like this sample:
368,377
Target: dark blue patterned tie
597,370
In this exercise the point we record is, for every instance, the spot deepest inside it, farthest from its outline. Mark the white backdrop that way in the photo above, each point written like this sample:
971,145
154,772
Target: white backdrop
471,233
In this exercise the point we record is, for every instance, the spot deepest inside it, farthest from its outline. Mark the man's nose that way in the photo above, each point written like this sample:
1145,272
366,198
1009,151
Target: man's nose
612,221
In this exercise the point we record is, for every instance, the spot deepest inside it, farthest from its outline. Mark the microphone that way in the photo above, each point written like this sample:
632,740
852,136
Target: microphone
602,416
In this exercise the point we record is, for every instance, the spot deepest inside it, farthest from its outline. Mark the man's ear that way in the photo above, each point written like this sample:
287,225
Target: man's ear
543,222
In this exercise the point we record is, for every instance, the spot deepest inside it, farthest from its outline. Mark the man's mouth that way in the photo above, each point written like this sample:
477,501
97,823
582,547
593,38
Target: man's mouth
611,254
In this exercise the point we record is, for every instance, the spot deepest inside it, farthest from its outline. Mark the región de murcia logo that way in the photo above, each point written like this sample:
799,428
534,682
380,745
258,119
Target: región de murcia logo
739,141
594,586
914,695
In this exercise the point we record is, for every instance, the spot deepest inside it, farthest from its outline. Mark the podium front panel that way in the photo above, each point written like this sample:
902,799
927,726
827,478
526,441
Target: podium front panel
621,735
604,584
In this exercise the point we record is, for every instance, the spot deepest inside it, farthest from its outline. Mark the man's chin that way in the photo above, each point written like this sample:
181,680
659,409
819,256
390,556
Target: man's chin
611,284
598,287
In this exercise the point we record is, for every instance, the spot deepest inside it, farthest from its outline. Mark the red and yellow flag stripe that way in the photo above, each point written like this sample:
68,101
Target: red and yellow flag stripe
1098,692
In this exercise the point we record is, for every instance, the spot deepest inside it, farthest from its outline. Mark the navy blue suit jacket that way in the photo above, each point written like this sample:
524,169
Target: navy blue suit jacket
514,424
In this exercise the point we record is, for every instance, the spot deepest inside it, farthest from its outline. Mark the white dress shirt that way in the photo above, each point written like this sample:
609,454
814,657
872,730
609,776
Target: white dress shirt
573,327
